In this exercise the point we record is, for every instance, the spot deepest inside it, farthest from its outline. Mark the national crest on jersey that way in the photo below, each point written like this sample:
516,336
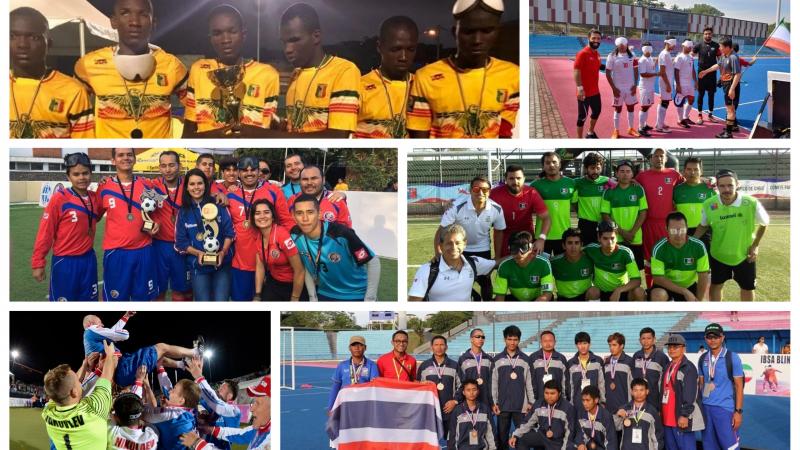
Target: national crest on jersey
60,109
323,97
688,261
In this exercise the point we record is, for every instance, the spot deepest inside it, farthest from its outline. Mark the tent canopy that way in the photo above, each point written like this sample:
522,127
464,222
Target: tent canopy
148,161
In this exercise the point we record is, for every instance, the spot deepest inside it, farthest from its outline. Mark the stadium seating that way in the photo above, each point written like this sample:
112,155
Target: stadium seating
310,345
746,321
378,342
494,342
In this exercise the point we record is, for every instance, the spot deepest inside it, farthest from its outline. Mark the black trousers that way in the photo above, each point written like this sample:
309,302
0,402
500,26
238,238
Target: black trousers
504,427
531,440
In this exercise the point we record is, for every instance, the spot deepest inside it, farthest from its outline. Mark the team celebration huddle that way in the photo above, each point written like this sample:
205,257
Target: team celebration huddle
689,233
135,89
239,238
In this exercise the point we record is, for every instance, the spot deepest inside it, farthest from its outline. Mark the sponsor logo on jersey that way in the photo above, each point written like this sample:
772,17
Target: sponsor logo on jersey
289,243
322,89
274,253
564,190
335,257
522,205
616,266
114,294
361,254
369,87
100,61
437,76
161,79
701,196
688,261
714,206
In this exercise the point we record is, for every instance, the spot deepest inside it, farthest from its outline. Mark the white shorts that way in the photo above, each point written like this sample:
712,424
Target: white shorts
646,96
662,88
625,97
679,98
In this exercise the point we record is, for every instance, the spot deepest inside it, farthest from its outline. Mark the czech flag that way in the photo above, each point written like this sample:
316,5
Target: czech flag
779,39
386,414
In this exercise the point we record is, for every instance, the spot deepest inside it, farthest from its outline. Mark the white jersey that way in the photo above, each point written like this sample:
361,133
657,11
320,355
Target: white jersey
665,60
124,438
684,64
621,67
647,64
476,225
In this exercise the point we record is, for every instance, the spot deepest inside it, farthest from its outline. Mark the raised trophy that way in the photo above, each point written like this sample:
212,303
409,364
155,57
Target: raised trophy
209,212
227,79
149,201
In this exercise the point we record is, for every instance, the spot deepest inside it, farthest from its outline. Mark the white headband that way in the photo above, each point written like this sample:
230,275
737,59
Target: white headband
647,48
621,41
672,41
688,43
462,5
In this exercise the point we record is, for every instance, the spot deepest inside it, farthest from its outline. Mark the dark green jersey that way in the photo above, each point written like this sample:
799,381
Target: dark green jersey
557,196
679,265
83,425
689,200
624,206
589,195
572,278
614,270
524,283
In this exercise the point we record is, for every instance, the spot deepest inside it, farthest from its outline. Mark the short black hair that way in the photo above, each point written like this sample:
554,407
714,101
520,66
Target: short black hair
675,215
397,22
571,232
480,178
591,391
511,168
128,409
233,385
593,31
512,331
546,154
640,382
439,336
727,173
116,2
306,198
646,330
473,331
313,166
647,43
583,336
708,28
464,383
553,384
292,155
606,226
205,156
693,159
399,332
32,13
170,153
547,332
618,337
228,161
727,42
228,9
305,12
592,159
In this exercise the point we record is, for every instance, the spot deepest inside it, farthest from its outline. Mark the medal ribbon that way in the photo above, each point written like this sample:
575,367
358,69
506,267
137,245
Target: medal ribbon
584,367
315,261
592,418
513,362
172,199
461,89
122,191
397,372
550,411
473,417
272,239
637,413
247,203
89,210
547,362
671,373
30,109
644,367
439,370
712,363
613,367
355,372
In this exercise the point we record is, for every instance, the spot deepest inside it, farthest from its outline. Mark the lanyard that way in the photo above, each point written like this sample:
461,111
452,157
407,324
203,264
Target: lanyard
671,373
637,413
547,361
127,200
614,362
645,361
592,418
712,362
271,240
89,209
23,121
550,411
513,361
472,416
398,119
397,372
467,108
300,106
247,203
355,371
315,261
439,369
584,367
172,199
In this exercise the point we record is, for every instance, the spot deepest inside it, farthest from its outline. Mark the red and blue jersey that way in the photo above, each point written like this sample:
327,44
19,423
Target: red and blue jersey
239,203
167,214
65,226
171,422
329,211
277,249
116,202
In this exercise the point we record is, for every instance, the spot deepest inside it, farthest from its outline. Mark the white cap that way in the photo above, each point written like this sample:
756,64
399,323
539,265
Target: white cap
463,5
621,41
688,43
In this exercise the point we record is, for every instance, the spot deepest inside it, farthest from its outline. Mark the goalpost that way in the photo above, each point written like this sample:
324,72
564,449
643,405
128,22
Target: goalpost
287,358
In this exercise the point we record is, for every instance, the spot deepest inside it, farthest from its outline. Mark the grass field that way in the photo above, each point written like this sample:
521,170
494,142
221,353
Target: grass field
28,433
773,259
25,223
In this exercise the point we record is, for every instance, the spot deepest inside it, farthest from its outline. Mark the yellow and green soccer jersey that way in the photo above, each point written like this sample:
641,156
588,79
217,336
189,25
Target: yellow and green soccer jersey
324,97
382,113
679,265
614,270
572,278
524,283
61,110
557,196
150,100
624,205
733,227
488,108
83,425
689,200
258,92
588,195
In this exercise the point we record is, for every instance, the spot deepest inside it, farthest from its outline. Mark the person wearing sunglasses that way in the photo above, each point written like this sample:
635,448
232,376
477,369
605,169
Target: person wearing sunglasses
525,276
477,214
679,264
68,228
475,364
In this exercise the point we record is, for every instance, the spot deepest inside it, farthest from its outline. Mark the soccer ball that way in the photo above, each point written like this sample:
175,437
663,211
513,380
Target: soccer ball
148,205
210,244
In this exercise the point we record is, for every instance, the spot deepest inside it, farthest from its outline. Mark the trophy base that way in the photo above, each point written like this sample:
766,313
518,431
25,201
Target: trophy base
148,226
210,259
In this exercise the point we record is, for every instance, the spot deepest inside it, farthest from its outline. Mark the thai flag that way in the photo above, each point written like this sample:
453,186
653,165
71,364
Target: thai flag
386,414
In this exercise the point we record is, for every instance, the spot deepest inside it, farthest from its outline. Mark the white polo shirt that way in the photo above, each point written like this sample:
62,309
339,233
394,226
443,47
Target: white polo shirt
477,226
450,285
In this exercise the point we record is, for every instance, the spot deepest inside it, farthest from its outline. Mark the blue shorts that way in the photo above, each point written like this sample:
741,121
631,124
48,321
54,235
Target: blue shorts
130,362
130,274
172,271
74,277
243,285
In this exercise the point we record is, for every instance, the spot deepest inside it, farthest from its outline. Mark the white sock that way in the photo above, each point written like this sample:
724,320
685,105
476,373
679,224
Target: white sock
660,115
181,364
642,119
616,120
630,120
687,108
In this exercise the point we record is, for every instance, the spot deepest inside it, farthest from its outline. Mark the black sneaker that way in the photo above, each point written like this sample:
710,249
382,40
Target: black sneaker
684,124
591,136
735,129
199,345
646,128
643,132
724,135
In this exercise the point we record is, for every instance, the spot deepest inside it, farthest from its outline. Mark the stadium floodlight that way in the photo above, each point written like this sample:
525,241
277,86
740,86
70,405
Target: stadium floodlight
208,354
14,354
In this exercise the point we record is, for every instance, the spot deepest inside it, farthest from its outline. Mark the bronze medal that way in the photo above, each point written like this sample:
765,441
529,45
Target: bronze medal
549,434
613,386
136,133
480,381
593,445
627,422
440,386
513,375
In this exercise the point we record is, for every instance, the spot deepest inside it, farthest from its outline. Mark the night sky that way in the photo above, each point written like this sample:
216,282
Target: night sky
239,340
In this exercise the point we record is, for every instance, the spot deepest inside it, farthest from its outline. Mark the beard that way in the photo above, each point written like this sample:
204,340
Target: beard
594,45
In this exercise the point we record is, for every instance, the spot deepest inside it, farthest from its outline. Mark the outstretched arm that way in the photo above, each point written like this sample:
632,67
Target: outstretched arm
212,400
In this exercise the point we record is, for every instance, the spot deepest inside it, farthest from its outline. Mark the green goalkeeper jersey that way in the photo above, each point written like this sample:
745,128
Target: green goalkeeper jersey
572,278
84,425
733,227
524,283
614,270
689,200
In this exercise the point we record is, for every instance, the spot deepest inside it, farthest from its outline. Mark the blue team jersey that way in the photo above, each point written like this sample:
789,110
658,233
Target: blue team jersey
171,423
289,189
255,439
343,376
340,270
723,392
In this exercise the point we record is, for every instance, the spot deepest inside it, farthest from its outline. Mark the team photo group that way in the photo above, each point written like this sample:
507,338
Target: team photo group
134,88
552,232
211,226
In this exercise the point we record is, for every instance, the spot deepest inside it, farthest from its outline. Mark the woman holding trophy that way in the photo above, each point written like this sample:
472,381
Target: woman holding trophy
279,271
204,233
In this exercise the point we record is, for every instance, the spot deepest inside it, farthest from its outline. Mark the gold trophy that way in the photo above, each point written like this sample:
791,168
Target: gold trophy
149,201
210,240
227,80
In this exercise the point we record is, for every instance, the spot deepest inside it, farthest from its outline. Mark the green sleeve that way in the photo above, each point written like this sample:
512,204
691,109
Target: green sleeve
99,401
702,263
575,194
605,204
642,199
657,266
632,269
548,283
500,282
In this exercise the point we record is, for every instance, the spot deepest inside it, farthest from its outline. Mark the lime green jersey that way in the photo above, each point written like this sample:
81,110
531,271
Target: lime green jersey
689,200
524,283
572,278
624,206
614,270
733,227
82,426
557,196
589,195
679,265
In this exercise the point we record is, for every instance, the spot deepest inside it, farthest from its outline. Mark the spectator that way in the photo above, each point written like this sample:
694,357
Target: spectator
761,348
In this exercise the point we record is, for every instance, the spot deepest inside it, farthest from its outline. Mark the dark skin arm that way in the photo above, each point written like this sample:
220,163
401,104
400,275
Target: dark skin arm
416,134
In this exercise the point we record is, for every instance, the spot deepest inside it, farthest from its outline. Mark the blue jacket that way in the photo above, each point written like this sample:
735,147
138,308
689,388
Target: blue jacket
189,223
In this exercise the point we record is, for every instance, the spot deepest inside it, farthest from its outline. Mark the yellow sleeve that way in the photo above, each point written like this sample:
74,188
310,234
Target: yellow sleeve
511,105
343,108
81,115
181,77
190,101
81,74
419,111
273,86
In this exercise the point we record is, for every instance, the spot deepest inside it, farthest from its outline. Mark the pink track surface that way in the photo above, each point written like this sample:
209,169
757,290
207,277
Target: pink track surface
558,75
750,320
